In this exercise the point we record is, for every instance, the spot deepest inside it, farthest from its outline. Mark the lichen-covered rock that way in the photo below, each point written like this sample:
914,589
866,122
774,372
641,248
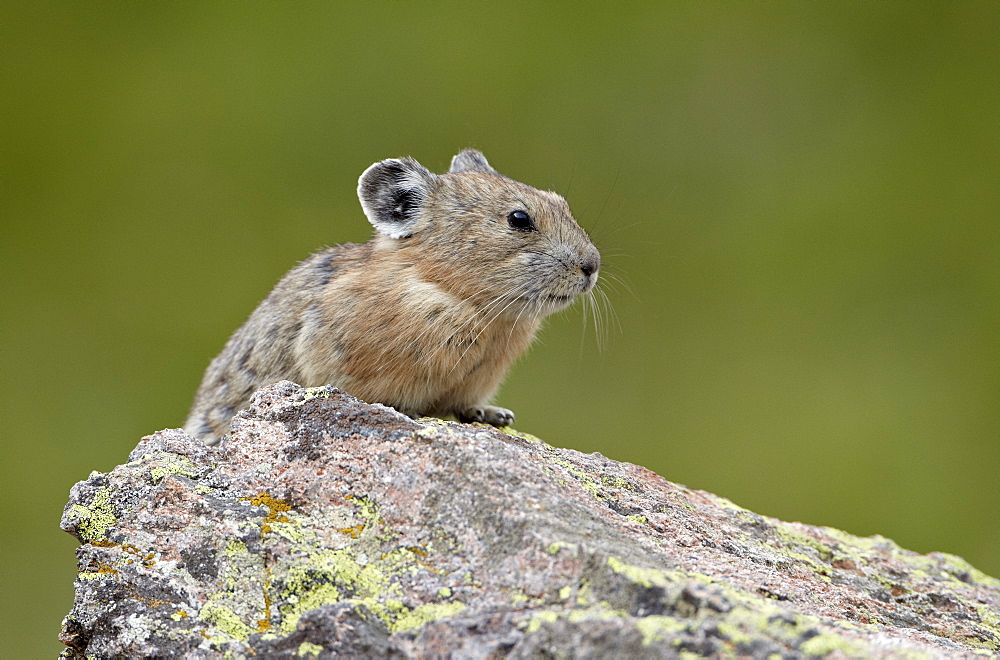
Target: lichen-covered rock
324,526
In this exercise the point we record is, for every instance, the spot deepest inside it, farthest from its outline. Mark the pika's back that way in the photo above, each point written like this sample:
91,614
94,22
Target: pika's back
428,315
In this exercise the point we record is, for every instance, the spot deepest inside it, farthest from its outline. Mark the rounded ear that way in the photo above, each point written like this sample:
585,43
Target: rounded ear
470,160
392,192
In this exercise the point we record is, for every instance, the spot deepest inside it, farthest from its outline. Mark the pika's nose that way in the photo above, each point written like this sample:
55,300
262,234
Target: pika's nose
591,264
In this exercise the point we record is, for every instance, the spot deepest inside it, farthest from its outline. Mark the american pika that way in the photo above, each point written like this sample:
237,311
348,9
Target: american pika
429,314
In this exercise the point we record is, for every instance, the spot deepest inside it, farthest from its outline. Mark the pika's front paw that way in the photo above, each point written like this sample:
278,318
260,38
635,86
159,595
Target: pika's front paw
489,414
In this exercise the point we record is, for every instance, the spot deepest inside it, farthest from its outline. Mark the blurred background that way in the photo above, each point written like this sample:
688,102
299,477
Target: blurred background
798,202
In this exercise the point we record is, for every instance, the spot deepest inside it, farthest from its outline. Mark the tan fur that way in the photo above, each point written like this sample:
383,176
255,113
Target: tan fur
428,321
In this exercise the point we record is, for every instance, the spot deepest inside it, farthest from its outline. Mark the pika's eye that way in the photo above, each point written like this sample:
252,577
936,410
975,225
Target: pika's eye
521,221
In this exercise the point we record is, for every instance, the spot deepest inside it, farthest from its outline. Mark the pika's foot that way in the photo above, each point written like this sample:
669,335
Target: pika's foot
489,414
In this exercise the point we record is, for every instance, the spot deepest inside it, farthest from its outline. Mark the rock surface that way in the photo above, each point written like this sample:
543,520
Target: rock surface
324,526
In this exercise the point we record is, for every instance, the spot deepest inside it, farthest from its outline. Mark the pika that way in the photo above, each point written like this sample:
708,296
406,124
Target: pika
428,315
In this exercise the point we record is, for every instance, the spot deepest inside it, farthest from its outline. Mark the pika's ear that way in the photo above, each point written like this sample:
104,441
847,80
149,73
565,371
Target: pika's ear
392,192
470,160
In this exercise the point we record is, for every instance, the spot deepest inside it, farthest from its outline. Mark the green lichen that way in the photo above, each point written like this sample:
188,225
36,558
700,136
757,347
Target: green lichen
241,603
173,464
291,530
791,536
684,502
308,648
432,428
100,573
433,421
791,539
93,522
310,599
617,482
642,520
508,430
827,643
600,612
656,628
308,393
418,616
750,617
861,546
368,509
847,549
557,546
645,577
235,547
989,619
755,620
587,480
540,618
726,503
326,577
962,571
225,619
732,632
739,628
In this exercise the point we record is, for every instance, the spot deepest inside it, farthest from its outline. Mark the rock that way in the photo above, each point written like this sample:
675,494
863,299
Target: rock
324,526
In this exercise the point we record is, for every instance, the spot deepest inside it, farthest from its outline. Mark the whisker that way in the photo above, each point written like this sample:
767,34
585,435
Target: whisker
485,327
571,177
611,191
514,325
473,323
587,302
605,252
466,323
610,309
426,357
602,325
619,228
433,327
621,281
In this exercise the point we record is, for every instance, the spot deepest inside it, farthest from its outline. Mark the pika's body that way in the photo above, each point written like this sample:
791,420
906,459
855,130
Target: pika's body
427,316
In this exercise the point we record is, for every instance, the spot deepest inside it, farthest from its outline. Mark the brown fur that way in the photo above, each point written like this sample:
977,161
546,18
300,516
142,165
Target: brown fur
427,316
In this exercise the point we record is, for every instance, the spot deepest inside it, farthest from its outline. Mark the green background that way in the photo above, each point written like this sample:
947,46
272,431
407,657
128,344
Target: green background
799,199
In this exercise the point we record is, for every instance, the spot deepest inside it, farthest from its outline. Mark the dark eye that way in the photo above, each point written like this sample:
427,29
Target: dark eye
521,221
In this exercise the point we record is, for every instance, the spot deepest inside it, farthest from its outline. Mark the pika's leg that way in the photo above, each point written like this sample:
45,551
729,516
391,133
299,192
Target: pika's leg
490,414
202,431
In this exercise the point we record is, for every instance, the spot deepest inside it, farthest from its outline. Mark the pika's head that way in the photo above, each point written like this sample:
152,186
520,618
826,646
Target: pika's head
479,234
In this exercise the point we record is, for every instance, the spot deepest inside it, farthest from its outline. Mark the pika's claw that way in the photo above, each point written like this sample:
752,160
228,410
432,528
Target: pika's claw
489,414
